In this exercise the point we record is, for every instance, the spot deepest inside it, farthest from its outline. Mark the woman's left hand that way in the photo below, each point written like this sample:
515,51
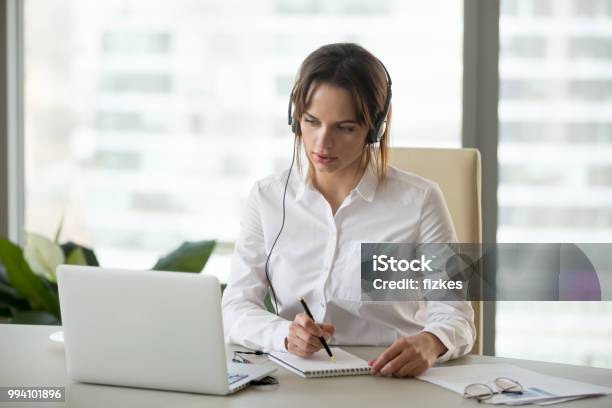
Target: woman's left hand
408,356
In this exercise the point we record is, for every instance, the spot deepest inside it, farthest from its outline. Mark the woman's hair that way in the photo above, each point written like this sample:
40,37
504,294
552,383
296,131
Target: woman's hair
351,67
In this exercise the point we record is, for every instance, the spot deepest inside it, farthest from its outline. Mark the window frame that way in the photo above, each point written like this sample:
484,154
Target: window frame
479,119
12,180
480,122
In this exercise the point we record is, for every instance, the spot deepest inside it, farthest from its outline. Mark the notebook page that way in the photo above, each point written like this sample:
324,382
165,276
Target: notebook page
320,365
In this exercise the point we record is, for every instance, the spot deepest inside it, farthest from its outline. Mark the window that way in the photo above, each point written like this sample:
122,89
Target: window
135,82
134,42
147,122
555,158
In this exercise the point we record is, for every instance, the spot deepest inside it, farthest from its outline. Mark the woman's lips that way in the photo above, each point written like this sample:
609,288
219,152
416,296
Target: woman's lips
321,158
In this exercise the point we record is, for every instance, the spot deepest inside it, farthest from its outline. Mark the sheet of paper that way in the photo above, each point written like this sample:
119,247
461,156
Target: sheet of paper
556,400
537,387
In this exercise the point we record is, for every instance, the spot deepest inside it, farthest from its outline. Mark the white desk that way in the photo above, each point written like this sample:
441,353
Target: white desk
29,358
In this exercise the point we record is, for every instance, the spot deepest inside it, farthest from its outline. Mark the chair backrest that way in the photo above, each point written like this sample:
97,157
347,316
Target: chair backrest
457,171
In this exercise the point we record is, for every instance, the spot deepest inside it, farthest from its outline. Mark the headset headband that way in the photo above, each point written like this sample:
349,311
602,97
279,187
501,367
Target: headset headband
376,134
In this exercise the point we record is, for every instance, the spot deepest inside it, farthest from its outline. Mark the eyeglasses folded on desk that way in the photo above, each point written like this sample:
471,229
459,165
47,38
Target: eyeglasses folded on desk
509,384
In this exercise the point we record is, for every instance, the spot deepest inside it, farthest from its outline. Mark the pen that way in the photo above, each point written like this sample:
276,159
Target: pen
307,310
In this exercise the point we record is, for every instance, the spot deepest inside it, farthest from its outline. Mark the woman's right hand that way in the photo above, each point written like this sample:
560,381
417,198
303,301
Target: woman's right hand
304,333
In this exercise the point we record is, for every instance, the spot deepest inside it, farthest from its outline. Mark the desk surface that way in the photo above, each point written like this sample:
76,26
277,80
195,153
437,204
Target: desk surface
29,358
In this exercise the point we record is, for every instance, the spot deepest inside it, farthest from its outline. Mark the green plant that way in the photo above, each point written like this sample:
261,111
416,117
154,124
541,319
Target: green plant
28,285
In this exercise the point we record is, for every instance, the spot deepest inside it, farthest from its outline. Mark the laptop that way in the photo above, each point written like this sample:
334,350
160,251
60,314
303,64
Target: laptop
148,329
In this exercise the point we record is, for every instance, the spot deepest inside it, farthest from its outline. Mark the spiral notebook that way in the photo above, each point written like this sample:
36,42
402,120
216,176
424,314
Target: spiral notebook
320,365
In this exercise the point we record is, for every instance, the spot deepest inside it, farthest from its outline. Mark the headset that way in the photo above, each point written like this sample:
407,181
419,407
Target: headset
375,135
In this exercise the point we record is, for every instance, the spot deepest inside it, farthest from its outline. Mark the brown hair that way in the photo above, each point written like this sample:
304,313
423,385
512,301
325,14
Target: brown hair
355,69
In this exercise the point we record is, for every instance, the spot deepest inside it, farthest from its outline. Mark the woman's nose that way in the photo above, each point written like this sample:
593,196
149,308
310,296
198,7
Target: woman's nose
324,136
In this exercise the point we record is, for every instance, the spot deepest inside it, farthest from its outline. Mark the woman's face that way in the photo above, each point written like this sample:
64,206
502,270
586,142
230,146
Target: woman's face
333,140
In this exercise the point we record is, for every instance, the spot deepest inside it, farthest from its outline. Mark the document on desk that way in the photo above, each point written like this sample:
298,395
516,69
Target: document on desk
320,365
537,388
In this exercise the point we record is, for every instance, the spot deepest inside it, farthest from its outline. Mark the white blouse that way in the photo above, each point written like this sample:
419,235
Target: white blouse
318,257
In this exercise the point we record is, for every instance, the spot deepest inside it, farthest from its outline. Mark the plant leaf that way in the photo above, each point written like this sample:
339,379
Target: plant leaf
34,317
189,257
90,256
76,257
10,297
3,275
23,280
43,255
268,303
4,312
59,228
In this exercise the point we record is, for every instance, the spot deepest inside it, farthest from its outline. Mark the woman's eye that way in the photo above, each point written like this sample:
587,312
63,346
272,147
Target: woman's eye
309,121
347,129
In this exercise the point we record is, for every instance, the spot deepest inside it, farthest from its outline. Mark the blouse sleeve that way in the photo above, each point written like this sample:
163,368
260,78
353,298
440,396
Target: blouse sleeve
451,321
246,320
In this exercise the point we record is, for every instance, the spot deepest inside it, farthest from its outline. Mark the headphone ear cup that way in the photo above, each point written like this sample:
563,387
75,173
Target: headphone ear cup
381,131
371,137
376,134
295,127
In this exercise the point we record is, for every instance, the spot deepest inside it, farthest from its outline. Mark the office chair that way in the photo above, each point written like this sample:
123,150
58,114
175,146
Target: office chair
457,171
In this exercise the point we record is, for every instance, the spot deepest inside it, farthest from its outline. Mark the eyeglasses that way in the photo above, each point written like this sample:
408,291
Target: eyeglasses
482,392
239,358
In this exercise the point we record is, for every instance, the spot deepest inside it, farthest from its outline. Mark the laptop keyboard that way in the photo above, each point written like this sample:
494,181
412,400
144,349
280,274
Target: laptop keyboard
232,378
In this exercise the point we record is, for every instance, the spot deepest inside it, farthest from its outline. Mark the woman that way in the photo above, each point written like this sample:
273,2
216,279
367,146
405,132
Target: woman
301,232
